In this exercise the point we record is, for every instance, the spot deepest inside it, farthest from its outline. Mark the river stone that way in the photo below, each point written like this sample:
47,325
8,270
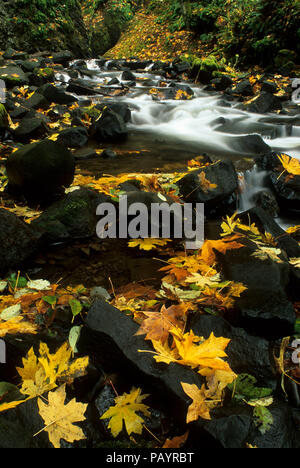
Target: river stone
73,217
263,309
266,102
234,427
109,337
75,137
39,170
110,127
13,76
216,199
246,353
265,223
57,95
30,128
287,189
17,241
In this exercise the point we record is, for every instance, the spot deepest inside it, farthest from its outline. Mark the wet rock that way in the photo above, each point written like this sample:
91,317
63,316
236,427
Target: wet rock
63,57
109,338
266,102
246,353
13,76
267,201
286,186
244,88
40,170
56,95
81,88
128,76
120,108
85,153
109,154
75,137
73,217
234,427
37,101
181,67
30,128
252,145
219,195
265,223
221,83
18,425
269,87
109,127
17,241
174,88
263,309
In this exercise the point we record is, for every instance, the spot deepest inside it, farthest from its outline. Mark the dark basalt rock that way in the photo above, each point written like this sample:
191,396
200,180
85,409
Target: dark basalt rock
216,199
109,337
245,352
56,95
75,137
73,217
17,241
40,170
109,127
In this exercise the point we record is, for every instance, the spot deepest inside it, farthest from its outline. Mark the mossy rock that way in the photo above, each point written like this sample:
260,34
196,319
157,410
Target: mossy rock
4,123
285,58
13,76
204,69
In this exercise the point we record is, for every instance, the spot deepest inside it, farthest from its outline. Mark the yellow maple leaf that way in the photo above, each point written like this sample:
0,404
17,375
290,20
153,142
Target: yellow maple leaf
148,244
207,253
291,165
198,407
41,373
125,411
206,185
196,352
60,418
16,325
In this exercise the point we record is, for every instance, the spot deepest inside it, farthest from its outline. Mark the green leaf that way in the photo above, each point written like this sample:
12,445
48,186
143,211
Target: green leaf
16,282
74,337
244,388
297,326
50,300
76,307
263,418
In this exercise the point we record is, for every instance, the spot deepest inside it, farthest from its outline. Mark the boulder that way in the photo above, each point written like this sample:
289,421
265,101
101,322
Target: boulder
109,337
30,128
17,241
75,137
214,185
13,76
73,217
56,95
246,353
109,127
40,170
266,102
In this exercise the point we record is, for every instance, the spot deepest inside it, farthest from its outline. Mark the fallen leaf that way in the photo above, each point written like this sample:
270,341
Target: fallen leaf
59,417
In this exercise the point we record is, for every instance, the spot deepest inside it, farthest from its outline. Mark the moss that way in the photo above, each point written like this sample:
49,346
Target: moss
3,117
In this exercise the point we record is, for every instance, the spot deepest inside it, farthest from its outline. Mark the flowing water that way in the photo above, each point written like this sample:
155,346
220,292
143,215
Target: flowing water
170,132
